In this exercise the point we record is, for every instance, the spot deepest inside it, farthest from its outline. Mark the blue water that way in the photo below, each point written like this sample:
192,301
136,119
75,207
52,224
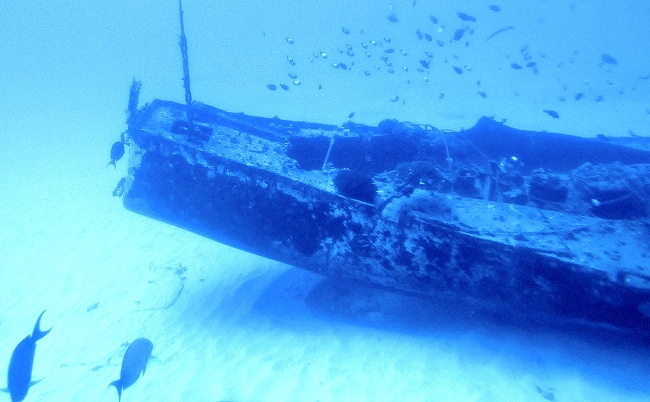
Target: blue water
227,325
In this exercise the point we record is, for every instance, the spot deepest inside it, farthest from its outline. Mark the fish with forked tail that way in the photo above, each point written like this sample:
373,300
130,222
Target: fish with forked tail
117,151
19,376
134,362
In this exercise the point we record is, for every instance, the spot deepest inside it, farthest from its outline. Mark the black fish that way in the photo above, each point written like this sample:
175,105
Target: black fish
19,377
551,113
117,152
495,8
466,17
515,66
458,70
272,87
609,59
134,362
351,115
458,34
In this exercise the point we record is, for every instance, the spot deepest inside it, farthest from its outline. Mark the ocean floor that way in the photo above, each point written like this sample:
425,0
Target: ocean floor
231,326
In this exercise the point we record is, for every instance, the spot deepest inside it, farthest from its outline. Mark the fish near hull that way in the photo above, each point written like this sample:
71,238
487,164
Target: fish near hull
117,151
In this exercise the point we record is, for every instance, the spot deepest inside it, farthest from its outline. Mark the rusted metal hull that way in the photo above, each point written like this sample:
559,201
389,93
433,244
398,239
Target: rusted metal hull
407,207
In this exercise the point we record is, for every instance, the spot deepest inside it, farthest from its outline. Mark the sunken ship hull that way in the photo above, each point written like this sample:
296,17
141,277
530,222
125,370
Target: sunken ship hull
522,222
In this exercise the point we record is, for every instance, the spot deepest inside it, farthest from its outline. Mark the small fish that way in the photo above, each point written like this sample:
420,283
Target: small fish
495,8
458,34
579,96
428,37
515,66
117,152
466,17
134,362
19,377
272,87
458,70
608,59
351,115
345,30
284,86
389,50
551,113
418,33
425,63
433,19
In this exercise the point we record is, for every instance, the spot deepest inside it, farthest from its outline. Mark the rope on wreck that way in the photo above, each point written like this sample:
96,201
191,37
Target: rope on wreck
186,70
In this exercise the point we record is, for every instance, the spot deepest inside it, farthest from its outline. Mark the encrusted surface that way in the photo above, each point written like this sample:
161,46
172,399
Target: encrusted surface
239,185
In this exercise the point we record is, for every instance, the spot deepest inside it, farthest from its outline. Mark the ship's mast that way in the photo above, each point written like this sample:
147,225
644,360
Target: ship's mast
186,70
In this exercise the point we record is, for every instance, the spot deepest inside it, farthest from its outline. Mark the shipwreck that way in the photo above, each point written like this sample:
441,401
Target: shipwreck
534,223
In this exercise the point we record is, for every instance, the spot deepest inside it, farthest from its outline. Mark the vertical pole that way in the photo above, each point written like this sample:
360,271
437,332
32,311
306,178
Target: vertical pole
186,70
